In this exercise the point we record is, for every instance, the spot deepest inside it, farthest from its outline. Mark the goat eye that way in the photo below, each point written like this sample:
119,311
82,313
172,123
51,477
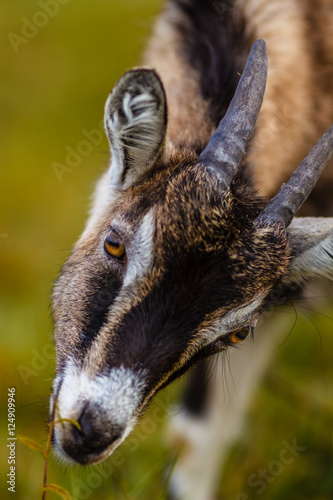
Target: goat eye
114,247
238,335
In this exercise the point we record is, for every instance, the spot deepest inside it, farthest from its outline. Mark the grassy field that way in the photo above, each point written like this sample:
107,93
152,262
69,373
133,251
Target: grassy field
57,70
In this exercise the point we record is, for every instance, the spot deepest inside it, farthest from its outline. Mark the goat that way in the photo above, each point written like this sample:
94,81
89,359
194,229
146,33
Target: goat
181,252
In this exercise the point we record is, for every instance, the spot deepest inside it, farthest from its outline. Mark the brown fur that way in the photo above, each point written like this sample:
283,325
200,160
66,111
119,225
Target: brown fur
298,103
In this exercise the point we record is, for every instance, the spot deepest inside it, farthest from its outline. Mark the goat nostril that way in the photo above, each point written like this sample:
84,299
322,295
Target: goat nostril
77,435
94,436
87,429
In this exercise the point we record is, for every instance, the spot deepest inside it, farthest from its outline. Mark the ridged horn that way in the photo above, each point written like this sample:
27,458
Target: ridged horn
227,145
293,193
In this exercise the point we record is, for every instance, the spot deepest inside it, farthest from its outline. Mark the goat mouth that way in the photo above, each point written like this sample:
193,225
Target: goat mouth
86,454
95,458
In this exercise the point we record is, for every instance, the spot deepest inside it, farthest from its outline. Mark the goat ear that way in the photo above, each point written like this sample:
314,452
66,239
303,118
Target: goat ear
311,240
135,122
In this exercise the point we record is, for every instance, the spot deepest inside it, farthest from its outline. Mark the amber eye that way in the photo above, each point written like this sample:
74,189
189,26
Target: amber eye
114,247
238,335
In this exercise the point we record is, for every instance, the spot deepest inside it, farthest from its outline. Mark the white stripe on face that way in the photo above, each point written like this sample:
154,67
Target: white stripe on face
141,251
240,317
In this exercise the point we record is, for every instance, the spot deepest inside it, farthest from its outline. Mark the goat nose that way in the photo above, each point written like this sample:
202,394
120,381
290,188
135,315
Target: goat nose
93,437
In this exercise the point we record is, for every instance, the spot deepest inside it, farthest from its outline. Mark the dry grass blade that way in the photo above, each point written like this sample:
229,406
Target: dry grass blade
31,443
61,420
54,487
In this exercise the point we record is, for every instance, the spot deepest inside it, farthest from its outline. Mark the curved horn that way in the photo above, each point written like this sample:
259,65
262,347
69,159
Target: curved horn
293,194
226,147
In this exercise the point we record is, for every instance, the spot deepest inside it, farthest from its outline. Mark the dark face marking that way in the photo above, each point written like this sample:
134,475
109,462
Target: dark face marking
81,300
208,259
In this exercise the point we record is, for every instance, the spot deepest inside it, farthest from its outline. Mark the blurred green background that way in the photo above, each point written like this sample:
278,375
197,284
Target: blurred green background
54,81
